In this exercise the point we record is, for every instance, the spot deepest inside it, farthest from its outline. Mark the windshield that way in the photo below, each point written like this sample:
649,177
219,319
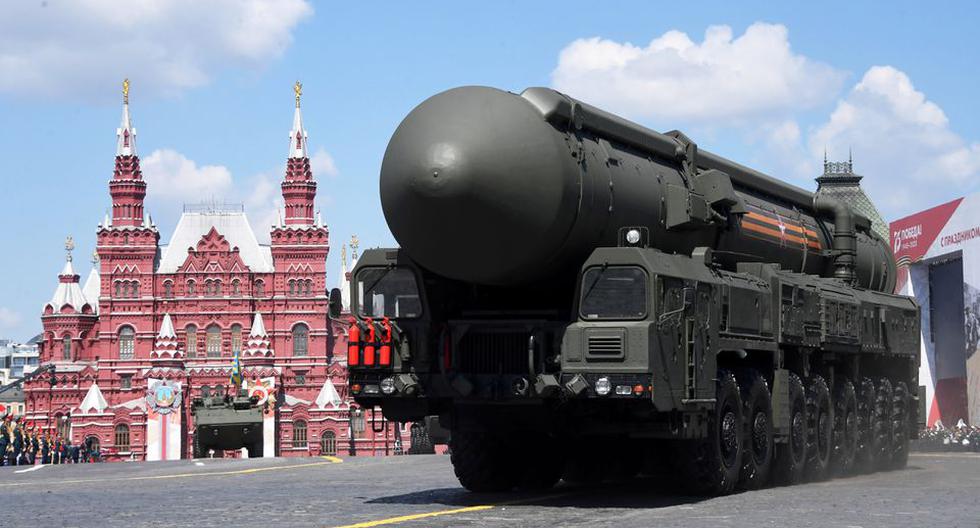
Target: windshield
387,292
614,292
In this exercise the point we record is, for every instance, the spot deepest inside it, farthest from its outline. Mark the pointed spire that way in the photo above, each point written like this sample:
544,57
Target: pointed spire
166,346
167,328
94,400
297,136
354,243
258,326
107,222
319,219
125,134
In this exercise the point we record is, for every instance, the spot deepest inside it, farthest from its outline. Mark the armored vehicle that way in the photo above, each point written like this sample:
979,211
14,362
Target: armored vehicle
223,421
579,297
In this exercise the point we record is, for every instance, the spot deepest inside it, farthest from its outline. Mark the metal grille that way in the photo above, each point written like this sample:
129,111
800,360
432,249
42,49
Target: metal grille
606,345
493,353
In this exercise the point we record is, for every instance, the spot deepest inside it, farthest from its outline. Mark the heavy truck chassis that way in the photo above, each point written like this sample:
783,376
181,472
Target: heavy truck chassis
695,318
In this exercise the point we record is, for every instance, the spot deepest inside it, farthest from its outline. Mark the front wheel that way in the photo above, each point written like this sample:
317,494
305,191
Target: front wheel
711,466
757,460
482,461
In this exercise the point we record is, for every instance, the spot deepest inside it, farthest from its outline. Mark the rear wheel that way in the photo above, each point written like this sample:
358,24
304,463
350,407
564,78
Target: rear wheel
881,425
820,425
482,461
542,463
864,457
900,426
845,428
711,466
791,455
757,459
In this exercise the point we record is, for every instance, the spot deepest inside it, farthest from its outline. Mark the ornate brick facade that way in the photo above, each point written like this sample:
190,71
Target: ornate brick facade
180,312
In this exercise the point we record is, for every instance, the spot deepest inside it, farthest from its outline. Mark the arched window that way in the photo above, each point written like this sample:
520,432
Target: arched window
301,340
122,437
328,443
191,288
118,289
236,287
217,288
309,287
134,289
236,338
207,287
292,287
127,342
66,348
259,288
299,433
62,425
190,346
168,289
213,341
92,444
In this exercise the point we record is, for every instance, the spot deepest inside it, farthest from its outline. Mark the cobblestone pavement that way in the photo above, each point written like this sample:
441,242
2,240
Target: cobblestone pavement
941,490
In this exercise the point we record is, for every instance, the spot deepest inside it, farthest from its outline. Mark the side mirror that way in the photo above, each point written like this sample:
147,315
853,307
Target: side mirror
336,303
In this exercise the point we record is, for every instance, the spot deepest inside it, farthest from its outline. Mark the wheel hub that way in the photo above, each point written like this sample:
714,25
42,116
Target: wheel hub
729,437
760,437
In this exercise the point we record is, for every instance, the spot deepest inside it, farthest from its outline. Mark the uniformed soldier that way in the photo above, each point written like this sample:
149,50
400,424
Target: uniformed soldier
35,446
46,449
18,443
4,438
56,451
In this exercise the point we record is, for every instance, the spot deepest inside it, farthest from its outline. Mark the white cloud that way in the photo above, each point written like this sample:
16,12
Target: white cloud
902,143
84,48
9,319
721,80
322,164
171,176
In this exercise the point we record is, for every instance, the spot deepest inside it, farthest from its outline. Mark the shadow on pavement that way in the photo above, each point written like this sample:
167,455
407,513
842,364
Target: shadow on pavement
638,493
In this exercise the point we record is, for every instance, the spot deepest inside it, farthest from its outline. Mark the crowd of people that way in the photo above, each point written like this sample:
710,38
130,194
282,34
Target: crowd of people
963,437
25,444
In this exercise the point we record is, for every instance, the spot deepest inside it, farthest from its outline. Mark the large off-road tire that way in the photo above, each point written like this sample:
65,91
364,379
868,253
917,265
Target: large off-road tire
881,425
820,429
845,429
864,457
482,461
790,457
711,466
900,426
421,442
541,463
758,456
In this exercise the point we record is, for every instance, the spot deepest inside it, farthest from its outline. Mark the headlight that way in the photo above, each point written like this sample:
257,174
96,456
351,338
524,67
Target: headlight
603,386
388,386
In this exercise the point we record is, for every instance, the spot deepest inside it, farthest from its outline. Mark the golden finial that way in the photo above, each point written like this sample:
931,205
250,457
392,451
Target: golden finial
69,246
125,91
298,88
354,243
95,256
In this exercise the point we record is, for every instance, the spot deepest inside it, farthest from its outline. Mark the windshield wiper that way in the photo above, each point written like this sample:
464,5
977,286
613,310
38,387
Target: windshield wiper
605,266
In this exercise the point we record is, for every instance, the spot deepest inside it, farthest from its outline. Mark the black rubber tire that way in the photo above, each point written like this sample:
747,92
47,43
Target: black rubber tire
790,459
881,425
542,461
900,426
845,429
864,457
711,466
757,459
482,462
820,429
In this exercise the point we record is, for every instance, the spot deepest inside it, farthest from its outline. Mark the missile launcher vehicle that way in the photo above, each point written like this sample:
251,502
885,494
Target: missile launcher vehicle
576,296
227,422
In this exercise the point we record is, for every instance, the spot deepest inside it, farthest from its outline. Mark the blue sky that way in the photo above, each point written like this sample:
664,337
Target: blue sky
211,99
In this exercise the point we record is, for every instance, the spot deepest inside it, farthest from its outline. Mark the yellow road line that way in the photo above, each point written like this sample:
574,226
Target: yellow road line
482,507
417,516
328,460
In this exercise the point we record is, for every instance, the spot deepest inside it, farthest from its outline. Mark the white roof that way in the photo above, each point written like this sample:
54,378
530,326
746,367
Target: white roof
136,403
93,400
68,293
328,396
93,288
233,226
293,400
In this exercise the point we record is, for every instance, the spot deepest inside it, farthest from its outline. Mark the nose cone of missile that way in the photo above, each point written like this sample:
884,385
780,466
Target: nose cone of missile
477,186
